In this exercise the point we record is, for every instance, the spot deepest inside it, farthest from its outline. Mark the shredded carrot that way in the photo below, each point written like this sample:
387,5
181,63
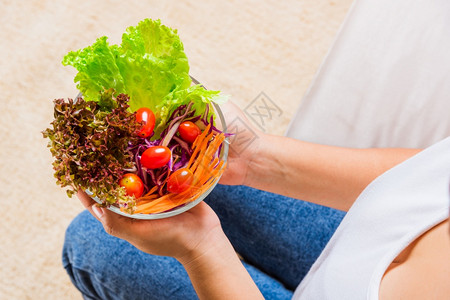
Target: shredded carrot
206,166
169,200
203,149
212,174
197,141
146,199
152,190
201,136
205,161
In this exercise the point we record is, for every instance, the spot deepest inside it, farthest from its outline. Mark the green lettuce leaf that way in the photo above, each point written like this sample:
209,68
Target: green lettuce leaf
197,94
97,69
152,63
150,66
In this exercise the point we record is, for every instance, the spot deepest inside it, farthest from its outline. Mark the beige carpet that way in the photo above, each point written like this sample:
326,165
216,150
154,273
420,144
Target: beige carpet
239,47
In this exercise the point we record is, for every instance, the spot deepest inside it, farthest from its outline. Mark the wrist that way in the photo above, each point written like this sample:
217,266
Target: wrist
262,165
214,245
254,156
217,273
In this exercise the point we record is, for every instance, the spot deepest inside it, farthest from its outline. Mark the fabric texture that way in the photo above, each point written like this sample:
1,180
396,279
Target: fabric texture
278,237
391,212
384,81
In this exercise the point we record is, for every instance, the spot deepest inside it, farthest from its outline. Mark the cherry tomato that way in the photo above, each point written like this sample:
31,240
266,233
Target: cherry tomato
155,157
146,116
132,184
180,180
189,131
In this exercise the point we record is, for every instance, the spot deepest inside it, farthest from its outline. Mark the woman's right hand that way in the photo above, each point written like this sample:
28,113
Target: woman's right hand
241,151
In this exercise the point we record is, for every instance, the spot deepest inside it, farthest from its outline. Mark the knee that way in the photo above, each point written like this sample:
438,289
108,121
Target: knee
76,240
81,228
80,231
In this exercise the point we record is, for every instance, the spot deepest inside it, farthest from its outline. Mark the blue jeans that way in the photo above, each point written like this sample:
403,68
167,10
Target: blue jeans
279,239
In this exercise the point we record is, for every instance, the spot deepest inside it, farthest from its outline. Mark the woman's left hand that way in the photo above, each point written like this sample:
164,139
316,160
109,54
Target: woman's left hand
195,238
183,237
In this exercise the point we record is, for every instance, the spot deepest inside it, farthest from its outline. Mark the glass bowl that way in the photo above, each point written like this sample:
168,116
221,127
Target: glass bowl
221,125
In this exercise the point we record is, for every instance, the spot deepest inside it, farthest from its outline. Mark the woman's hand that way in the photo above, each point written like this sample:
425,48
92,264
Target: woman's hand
195,239
183,236
244,145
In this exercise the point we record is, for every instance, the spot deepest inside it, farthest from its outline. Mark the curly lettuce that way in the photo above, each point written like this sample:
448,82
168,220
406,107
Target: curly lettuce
90,145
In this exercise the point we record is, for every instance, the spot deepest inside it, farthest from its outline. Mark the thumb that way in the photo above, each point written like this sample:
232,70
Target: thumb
113,223
98,211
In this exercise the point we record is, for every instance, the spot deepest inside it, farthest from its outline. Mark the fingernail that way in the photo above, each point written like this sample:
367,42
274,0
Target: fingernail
98,211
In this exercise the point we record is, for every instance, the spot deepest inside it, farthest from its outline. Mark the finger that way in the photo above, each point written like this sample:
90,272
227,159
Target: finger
88,203
85,199
113,223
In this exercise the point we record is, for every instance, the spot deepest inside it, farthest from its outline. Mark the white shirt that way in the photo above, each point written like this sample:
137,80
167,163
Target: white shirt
384,82
394,210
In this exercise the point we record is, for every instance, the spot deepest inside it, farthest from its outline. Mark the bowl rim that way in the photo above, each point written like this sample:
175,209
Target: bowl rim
187,206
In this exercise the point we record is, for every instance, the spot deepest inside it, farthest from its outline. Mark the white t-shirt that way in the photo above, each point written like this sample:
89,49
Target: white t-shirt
394,210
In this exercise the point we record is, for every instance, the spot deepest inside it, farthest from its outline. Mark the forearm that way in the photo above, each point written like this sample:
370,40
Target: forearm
327,175
219,274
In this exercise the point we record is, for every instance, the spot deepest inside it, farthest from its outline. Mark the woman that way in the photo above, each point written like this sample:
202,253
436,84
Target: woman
384,247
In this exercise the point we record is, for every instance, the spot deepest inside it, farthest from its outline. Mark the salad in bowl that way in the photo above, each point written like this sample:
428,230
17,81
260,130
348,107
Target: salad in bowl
142,138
